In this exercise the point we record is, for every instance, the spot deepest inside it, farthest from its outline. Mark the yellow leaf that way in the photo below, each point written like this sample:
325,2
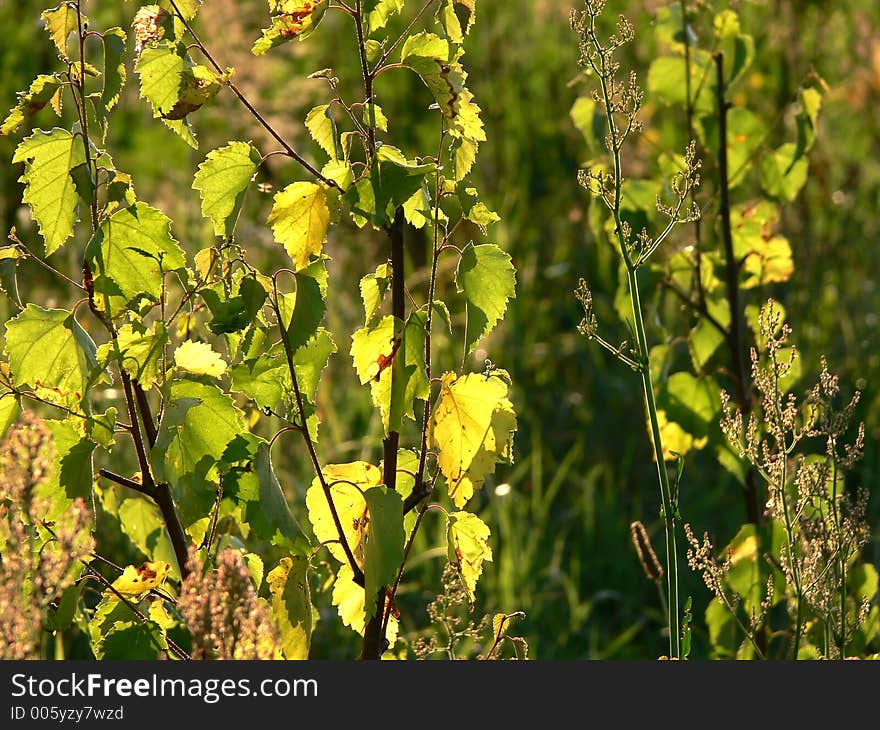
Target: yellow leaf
347,483
300,218
675,438
467,545
348,597
198,358
292,605
135,581
471,429
746,550
769,262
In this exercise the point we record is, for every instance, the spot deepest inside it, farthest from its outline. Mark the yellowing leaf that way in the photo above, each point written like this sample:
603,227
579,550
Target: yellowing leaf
292,606
135,581
300,218
467,546
746,550
347,483
60,22
769,262
471,429
290,19
198,358
675,438
348,597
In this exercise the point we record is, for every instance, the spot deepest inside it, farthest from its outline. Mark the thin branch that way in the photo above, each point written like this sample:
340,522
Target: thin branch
127,483
307,437
250,107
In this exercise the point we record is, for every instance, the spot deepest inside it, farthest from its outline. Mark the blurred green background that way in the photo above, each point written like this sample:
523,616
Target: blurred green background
583,471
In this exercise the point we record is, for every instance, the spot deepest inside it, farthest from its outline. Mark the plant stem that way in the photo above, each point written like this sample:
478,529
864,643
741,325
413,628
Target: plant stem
731,270
669,509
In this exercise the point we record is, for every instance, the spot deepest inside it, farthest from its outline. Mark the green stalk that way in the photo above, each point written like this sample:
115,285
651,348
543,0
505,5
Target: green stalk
669,509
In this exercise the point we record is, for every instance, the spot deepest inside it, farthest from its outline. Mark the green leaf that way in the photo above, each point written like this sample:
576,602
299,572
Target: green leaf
467,546
783,172
187,8
303,309
383,554
471,428
487,278
140,520
196,428
691,402
49,351
71,476
50,191
810,99
240,310
132,640
60,22
292,606
378,11
129,255
392,181
252,481
266,379
666,81
457,17
373,289
300,217
290,19
161,69
475,210
114,67
722,629
322,127
222,181
745,135
705,338
41,90
140,352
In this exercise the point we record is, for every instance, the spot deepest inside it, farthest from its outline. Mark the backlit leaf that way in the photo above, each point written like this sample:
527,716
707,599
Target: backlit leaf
60,22
41,90
383,553
50,352
300,217
292,606
199,358
471,428
140,352
348,597
129,255
467,545
49,188
222,181
137,581
347,483
290,19
487,278
322,127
